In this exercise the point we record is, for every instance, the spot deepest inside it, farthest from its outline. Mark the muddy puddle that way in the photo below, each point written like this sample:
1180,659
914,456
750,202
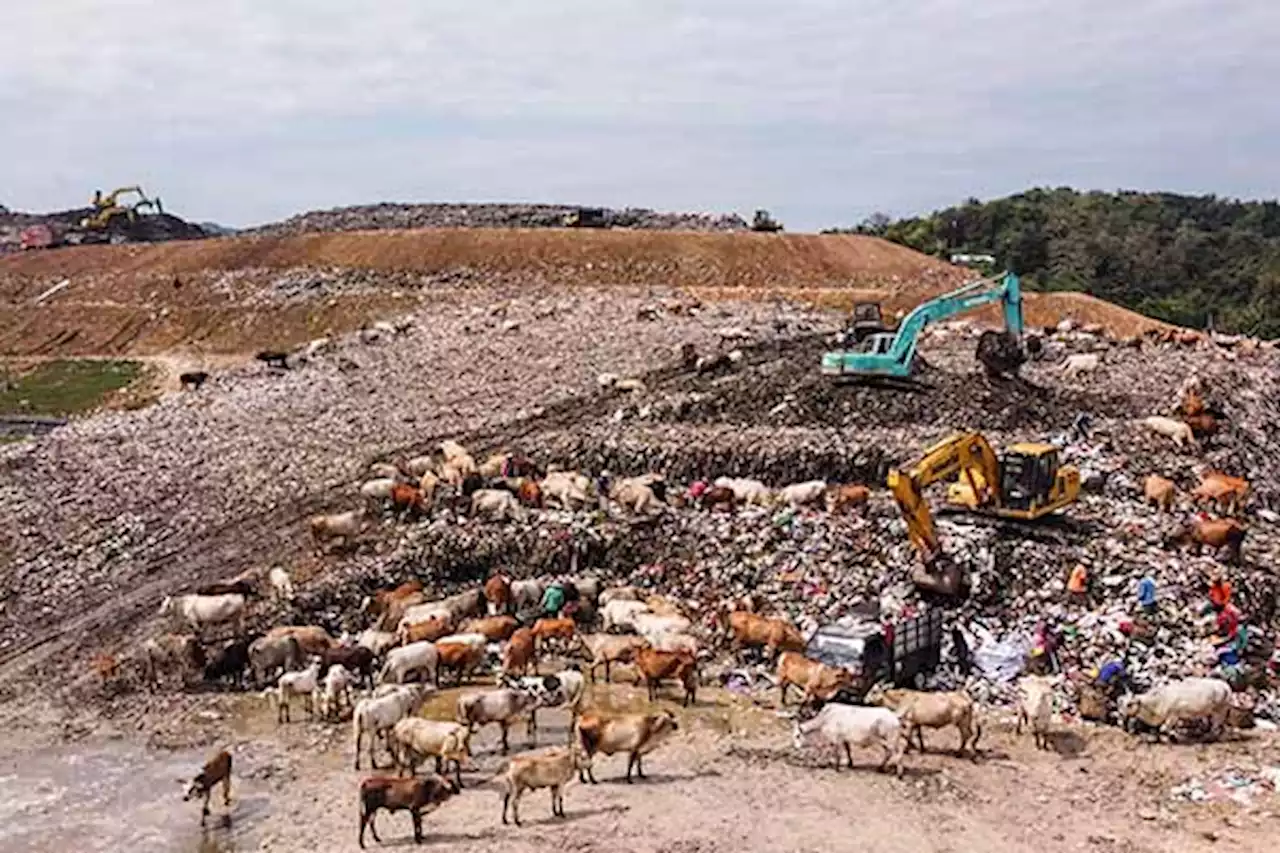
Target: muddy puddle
114,797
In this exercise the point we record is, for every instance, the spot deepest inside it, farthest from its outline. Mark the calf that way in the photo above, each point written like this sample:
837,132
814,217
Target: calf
842,498
718,497
407,501
1179,432
416,796
552,768
1227,493
169,652
1035,707
215,770
230,662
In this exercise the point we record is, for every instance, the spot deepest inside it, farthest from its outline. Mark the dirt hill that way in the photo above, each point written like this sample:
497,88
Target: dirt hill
242,294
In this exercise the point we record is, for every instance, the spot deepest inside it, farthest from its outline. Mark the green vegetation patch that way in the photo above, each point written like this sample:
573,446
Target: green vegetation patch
1197,261
64,387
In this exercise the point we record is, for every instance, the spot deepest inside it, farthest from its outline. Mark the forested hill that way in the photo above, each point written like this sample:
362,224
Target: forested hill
1192,260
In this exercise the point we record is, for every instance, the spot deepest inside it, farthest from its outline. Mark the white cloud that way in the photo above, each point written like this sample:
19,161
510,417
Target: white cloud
822,109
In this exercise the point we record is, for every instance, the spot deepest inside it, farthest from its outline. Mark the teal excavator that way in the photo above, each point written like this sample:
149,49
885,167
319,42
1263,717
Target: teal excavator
891,355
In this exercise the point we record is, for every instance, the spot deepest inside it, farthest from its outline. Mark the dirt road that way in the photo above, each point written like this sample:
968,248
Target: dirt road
730,781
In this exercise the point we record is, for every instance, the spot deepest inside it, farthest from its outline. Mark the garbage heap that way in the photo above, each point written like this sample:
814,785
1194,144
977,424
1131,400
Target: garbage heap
398,216
817,567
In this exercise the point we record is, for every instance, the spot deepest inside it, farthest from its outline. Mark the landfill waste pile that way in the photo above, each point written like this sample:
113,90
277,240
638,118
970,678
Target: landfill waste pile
392,216
110,513
65,228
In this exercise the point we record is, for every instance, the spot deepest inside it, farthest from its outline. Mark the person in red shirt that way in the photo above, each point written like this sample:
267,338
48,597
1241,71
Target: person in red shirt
1219,591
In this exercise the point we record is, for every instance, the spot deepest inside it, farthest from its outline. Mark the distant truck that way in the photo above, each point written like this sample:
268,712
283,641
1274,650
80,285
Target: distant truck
39,236
587,217
901,654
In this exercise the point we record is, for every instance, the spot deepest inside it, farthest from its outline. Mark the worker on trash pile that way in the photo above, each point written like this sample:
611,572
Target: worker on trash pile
1112,678
553,600
1080,427
1078,584
572,599
1044,647
1219,590
1147,594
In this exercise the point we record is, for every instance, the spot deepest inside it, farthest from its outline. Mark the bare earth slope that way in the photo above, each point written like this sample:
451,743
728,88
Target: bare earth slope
240,295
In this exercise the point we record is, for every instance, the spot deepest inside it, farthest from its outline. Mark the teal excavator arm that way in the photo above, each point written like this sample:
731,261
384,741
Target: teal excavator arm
896,361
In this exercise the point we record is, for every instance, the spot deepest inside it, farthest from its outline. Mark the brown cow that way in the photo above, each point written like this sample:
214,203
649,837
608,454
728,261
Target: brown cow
545,630
497,591
430,629
494,628
413,795
383,597
519,652
772,635
1159,491
1217,533
1225,492
460,657
529,493
818,680
313,639
654,666
718,497
1202,425
407,500
842,498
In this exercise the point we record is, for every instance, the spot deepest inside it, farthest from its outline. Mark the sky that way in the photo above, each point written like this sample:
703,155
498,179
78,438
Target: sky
822,111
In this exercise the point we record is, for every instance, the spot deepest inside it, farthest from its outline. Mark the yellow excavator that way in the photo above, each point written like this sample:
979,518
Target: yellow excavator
108,207
1026,482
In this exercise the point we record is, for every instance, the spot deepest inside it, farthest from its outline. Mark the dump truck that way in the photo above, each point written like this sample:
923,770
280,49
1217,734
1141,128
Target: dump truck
900,653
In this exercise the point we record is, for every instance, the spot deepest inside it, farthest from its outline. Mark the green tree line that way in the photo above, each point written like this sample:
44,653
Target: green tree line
1197,261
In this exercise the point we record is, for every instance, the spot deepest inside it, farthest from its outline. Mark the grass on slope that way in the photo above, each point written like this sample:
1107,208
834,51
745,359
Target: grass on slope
65,387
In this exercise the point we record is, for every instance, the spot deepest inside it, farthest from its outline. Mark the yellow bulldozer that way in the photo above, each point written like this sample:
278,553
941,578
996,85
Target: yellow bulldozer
1025,483
108,208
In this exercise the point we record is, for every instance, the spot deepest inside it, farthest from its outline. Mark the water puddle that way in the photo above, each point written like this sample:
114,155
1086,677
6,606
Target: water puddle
113,797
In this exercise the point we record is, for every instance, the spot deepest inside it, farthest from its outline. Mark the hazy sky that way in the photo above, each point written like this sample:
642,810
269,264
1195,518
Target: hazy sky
244,111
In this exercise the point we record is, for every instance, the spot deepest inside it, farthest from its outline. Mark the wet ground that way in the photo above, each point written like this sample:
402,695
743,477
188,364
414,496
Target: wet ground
115,797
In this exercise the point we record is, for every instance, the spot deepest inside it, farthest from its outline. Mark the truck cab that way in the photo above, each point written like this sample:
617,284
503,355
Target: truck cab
902,655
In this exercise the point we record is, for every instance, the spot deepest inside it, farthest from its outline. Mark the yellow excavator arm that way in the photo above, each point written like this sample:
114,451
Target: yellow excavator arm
965,455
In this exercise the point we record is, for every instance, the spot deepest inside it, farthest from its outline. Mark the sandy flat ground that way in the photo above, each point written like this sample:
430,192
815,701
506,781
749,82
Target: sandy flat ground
729,781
